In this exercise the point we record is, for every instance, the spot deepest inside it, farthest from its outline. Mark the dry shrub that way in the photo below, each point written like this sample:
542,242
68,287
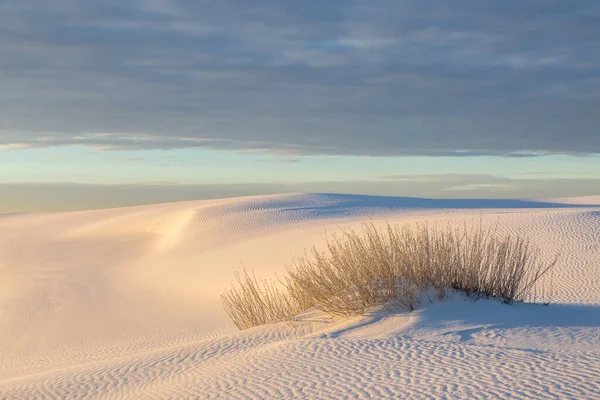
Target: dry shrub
255,303
391,268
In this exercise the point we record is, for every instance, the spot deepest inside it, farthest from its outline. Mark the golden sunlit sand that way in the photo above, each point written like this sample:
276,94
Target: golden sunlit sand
125,303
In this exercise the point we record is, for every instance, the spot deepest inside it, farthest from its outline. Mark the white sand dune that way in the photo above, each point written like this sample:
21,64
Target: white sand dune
124,303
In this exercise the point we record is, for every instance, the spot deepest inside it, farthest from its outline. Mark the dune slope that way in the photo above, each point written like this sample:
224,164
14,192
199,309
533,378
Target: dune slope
124,303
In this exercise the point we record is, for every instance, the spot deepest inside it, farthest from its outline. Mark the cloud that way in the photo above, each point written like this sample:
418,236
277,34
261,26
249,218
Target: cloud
131,159
497,187
12,146
338,77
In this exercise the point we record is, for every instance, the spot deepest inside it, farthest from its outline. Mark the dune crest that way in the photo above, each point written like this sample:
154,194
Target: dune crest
124,303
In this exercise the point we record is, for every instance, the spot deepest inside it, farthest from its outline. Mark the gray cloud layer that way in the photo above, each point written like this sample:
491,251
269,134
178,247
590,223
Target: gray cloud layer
366,77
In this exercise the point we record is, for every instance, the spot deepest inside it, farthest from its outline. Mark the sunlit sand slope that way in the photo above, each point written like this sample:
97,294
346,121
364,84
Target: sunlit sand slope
124,303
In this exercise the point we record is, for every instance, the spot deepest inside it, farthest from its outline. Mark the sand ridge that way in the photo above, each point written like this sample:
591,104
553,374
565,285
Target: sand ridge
124,303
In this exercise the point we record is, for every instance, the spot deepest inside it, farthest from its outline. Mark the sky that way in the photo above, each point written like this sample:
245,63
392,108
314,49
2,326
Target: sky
110,103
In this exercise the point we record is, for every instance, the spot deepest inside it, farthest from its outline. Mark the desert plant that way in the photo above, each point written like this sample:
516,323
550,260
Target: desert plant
393,267
254,303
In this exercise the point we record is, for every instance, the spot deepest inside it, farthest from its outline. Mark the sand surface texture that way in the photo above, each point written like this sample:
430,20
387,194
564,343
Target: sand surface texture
125,303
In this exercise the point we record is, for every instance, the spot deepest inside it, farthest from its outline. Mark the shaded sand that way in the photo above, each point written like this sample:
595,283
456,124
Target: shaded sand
124,303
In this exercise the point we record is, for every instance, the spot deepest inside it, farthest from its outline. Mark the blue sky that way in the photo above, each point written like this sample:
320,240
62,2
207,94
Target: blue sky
473,98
